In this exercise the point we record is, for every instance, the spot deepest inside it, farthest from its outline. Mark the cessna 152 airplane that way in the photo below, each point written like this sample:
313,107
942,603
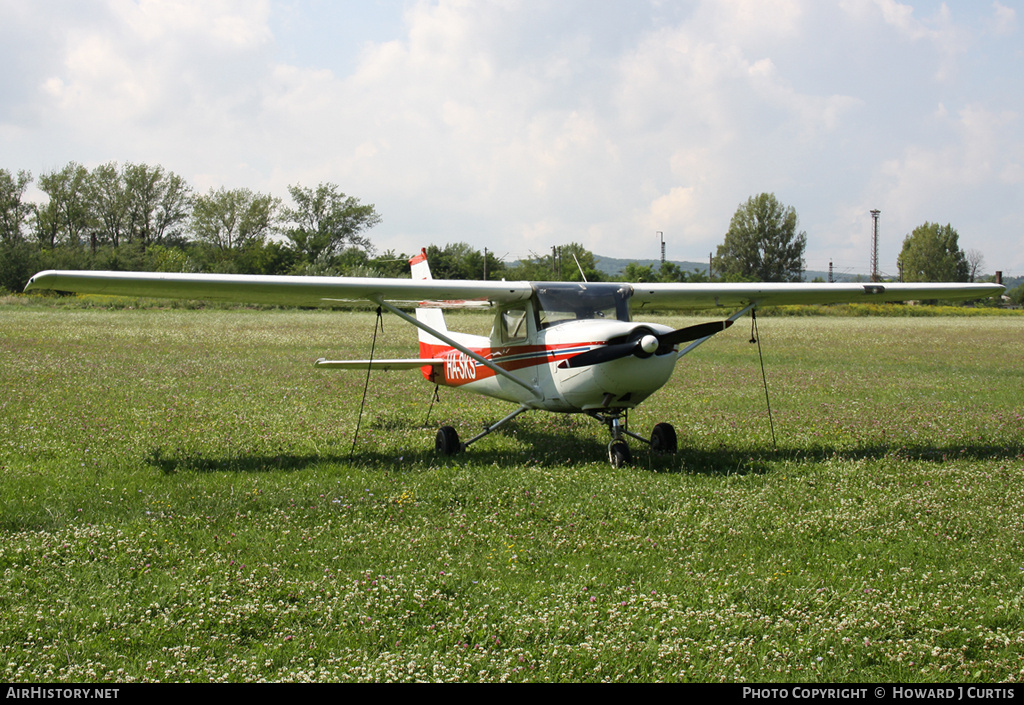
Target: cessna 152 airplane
555,346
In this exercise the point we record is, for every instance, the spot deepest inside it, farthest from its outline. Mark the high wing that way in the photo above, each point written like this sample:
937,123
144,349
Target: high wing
692,296
335,291
278,290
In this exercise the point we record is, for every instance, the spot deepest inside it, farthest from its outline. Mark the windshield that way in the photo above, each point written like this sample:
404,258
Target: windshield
558,302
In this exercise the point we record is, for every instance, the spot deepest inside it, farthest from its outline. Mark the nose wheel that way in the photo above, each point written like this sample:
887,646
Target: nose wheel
618,453
662,441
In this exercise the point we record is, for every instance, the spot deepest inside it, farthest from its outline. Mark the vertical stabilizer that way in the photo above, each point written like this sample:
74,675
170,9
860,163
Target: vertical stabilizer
420,267
433,317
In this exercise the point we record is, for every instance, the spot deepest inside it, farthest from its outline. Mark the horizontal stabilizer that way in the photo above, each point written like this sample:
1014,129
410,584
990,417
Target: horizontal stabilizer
402,364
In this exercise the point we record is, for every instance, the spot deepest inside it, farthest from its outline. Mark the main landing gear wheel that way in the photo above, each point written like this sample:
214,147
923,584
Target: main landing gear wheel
618,453
663,439
447,441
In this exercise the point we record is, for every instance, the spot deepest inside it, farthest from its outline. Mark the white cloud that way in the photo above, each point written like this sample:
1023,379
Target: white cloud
231,24
752,21
948,38
971,179
1004,20
974,154
519,125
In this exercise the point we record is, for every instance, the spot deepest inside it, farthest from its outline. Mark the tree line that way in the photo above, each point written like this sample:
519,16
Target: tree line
143,217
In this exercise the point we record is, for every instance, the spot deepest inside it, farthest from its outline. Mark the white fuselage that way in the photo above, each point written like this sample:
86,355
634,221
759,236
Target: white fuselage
620,383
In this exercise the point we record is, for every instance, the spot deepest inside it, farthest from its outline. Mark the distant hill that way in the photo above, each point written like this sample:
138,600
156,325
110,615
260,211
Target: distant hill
1012,282
615,267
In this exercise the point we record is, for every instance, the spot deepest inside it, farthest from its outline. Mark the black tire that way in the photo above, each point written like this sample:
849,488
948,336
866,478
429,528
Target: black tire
618,454
663,439
447,441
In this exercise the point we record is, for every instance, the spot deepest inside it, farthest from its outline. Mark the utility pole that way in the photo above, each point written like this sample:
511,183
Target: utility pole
874,246
662,236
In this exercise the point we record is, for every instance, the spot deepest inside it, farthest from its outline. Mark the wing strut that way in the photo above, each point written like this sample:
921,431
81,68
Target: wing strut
755,337
460,347
379,323
731,319
435,397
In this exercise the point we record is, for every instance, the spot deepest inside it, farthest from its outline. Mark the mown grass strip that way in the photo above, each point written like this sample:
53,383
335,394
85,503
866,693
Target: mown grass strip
177,504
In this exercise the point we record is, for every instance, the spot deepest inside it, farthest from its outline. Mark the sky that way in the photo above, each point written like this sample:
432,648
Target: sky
517,125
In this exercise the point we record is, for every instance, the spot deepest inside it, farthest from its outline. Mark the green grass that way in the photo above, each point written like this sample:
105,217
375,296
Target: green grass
177,503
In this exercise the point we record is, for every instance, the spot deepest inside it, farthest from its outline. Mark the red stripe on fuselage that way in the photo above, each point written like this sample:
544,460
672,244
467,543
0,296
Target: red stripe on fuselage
458,368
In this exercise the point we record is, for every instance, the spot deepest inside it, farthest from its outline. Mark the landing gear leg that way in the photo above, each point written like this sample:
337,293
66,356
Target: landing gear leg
618,450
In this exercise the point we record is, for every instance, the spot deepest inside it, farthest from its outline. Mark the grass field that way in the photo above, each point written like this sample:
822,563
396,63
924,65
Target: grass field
177,503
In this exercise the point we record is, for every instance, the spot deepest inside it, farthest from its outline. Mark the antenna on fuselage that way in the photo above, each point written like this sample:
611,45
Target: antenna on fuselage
579,267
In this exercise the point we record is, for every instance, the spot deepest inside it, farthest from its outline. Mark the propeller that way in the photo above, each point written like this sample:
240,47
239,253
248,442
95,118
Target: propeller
643,342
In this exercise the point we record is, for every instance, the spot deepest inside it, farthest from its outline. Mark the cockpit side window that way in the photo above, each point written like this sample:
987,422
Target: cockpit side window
513,324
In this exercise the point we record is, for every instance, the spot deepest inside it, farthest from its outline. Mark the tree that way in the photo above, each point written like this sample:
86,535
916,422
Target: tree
560,265
14,212
267,257
230,219
157,201
460,261
396,265
664,273
762,243
577,263
66,218
670,273
1016,294
932,254
975,261
325,221
109,202
636,272
19,259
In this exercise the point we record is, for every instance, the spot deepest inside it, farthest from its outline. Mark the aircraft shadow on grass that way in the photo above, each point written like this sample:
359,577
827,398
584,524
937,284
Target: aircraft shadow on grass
557,448
739,461
547,449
